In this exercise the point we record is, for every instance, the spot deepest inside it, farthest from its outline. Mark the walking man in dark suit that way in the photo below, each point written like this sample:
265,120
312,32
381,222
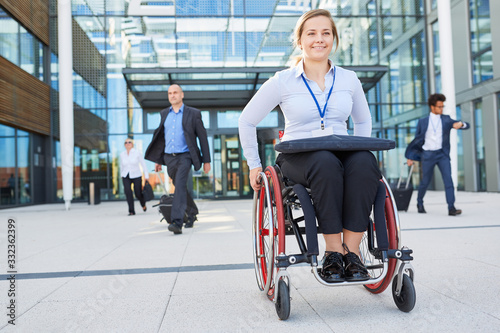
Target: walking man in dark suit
174,145
431,147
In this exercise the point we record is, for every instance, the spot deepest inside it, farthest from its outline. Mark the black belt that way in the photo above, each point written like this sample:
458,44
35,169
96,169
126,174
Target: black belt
177,154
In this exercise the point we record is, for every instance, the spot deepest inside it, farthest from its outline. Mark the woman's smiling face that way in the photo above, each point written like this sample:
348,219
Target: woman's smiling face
316,40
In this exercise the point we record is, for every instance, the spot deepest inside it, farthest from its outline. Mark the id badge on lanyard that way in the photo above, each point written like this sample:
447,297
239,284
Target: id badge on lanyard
322,131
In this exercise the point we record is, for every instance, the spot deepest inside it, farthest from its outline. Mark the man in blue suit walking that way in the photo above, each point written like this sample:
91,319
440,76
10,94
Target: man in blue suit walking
431,147
175,144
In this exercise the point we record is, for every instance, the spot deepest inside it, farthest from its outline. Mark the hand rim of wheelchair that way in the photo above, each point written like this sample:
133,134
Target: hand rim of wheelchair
265,279
394,235
269,280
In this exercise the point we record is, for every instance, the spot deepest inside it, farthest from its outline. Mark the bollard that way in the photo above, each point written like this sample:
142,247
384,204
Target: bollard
94,194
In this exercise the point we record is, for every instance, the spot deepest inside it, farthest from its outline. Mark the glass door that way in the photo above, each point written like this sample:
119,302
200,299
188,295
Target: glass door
230,168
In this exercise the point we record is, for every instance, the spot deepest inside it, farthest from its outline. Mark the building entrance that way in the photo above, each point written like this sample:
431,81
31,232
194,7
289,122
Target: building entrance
230,168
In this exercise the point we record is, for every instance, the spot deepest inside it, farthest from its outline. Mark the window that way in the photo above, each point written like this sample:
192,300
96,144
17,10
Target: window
15,166
229,119
480,151
20,47
480,40
437,56
498,115
460,154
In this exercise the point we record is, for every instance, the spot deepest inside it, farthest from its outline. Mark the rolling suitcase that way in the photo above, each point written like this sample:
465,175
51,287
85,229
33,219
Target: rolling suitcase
402,191
165,205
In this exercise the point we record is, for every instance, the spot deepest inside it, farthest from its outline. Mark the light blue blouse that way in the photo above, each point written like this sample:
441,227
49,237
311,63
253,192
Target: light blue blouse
287,90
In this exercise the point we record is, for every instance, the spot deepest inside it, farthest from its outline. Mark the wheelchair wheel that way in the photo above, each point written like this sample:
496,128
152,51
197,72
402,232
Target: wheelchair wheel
268,213
407,298
373,264
283,300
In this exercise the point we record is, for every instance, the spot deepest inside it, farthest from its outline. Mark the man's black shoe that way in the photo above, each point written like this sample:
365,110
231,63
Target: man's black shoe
175,229
421,209
454,212
190,221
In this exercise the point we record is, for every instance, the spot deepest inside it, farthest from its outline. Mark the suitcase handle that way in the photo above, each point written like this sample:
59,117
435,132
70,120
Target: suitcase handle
407,179
162,183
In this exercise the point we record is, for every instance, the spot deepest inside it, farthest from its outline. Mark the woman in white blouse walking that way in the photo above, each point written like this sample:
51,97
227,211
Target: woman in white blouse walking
316,99
130,160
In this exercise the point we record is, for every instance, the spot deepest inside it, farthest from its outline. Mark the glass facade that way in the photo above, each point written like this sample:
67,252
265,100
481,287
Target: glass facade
220,52
237,34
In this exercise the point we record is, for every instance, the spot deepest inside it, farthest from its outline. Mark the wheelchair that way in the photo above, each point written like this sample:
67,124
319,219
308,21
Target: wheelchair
279,208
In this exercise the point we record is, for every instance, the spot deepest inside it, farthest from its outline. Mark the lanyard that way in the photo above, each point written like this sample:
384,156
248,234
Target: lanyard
435,126
321,113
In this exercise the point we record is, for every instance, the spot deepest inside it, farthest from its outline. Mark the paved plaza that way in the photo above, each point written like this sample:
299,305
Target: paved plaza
95,269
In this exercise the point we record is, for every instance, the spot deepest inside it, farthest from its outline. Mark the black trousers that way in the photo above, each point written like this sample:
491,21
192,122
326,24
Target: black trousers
343,185
178,167
127,186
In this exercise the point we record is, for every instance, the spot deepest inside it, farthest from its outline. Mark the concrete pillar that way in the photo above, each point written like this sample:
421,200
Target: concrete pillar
66,121
490,137
448,76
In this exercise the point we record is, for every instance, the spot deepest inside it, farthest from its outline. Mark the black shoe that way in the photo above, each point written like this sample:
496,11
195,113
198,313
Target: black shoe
130,214
354,268
421,209
175,229
190,221
333,267
454,212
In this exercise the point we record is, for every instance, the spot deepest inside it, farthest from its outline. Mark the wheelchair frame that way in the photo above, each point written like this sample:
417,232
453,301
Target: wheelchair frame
273,219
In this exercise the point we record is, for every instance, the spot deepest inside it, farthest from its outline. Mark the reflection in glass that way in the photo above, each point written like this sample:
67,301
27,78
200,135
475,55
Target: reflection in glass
205,118
117,91
117,121
482,67
152,120
228,119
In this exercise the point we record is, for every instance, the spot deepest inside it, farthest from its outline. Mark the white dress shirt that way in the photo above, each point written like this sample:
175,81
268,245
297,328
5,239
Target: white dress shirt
129,164
287,89
434,134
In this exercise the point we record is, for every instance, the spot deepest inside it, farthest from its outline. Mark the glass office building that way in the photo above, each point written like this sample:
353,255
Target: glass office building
127,52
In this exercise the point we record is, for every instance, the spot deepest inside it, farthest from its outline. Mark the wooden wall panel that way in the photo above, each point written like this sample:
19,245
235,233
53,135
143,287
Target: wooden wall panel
24,100
33,14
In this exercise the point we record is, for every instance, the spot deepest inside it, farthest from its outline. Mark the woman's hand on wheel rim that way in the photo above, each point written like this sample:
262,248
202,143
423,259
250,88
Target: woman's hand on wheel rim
254,178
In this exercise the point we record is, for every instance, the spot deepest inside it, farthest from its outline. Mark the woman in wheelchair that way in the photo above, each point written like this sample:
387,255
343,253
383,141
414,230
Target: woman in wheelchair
317,98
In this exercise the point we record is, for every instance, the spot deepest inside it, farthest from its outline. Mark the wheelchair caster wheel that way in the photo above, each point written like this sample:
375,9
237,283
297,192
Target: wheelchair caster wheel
283,300
407,298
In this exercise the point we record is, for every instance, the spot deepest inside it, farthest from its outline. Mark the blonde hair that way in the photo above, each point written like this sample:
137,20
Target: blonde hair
299,28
